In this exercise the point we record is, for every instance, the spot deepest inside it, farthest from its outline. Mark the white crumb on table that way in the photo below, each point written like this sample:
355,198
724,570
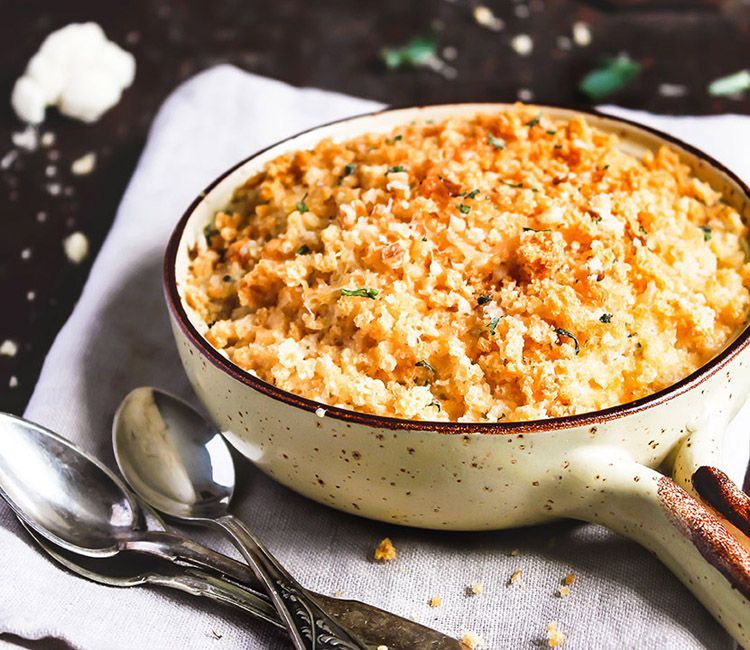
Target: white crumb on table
581,34
13,382
27,139
320,412
522,44
84,165
76,247
8,348
484,17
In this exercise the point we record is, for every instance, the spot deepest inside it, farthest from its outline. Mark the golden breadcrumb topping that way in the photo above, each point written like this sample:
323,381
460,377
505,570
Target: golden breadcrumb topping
500,267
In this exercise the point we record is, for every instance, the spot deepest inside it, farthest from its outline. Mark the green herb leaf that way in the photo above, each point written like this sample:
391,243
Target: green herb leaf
613,75
605,318
395,169
349,169
534,121
551,132
417,52
470,195
706,233
483,300
436,404
424,364
227,278
732,84
424,238
512,184
301,205
497,143
463,208
527,229
365,292
398,138
210,231
561,332
303,250
493,325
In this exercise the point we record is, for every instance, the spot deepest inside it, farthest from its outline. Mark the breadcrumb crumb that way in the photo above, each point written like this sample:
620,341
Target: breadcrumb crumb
515,577
435,601
563,592
472,641
555,638
515,552
385,551
474,589
569,579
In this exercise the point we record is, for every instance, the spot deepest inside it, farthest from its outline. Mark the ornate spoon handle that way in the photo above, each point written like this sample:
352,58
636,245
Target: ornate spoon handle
310,627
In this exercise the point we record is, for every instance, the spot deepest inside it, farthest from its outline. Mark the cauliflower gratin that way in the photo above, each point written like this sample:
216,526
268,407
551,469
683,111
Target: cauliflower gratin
499,267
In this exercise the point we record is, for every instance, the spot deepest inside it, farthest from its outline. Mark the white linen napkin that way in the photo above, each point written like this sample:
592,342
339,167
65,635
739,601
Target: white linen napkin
118,338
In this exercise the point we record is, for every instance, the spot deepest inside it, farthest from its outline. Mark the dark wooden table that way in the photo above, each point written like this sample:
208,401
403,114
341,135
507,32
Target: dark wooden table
327,43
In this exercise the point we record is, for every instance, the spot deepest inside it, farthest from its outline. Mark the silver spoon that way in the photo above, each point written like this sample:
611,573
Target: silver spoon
63,494
126,570
179,464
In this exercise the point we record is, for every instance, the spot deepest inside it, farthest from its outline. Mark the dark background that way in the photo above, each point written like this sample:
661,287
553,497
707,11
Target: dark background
332,44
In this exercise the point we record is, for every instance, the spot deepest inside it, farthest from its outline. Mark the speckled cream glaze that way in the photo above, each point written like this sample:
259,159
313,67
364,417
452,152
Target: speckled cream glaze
596,467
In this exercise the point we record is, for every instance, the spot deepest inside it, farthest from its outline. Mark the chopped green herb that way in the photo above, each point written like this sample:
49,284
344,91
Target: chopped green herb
365,292
642,230
470,195
706,233
605,168
463,208
527,229
551,132
732,84
483,300
210,231
395,169
561,332
512,184
303,250
436,404
398,138
417,52
497,143
349,169
613,75
424,364
424,238
605,318
301,205
493,325
557,146
534,121
596,218
227,278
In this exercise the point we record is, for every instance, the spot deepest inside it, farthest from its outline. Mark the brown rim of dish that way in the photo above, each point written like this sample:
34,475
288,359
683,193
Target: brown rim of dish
695,378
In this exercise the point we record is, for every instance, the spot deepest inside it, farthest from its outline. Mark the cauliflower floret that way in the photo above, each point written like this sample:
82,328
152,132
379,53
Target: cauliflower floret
76,69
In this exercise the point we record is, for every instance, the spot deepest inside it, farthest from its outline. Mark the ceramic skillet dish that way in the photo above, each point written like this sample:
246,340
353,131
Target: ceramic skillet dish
599,467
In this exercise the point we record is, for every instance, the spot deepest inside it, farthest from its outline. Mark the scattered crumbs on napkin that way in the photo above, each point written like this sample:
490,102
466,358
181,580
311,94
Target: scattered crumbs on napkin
555,638
472,641
515,578
474,589
435,601
385,551
515,552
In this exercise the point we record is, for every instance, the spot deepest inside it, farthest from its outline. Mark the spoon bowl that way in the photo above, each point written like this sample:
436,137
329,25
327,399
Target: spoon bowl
171,456
61,493
180,465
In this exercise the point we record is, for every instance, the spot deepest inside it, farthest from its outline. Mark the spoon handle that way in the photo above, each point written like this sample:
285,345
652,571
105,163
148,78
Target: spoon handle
310,627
